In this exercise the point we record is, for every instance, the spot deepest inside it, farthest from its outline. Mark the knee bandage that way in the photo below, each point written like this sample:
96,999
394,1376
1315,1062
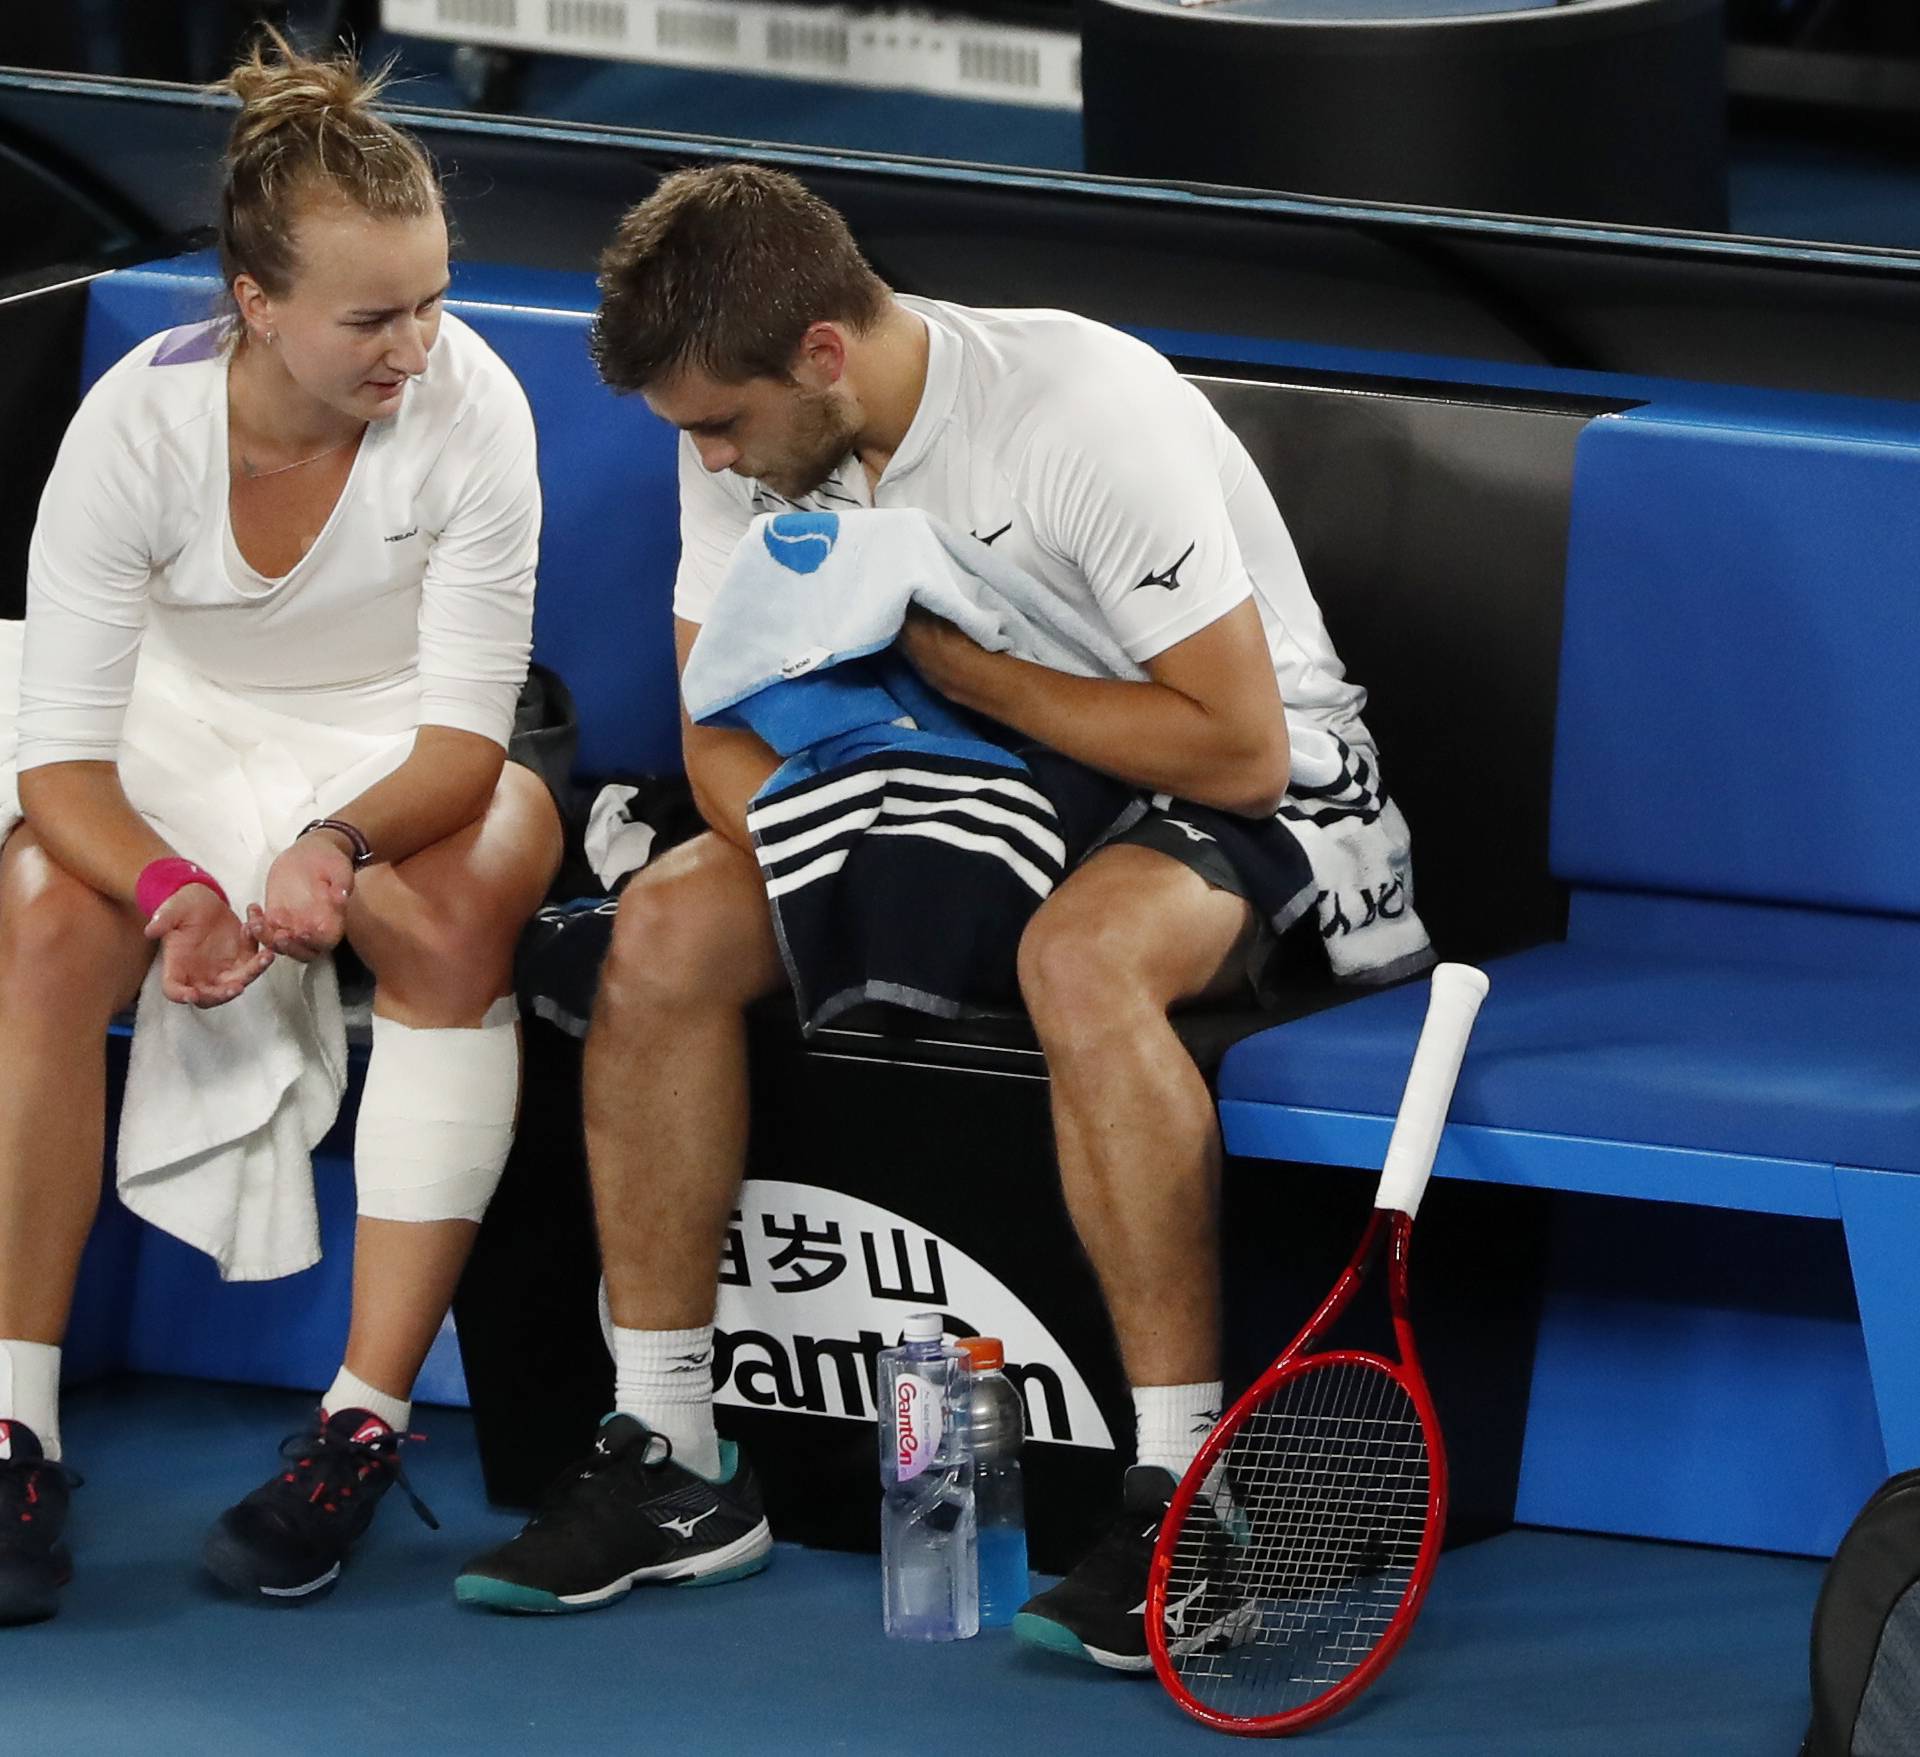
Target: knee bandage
436,1118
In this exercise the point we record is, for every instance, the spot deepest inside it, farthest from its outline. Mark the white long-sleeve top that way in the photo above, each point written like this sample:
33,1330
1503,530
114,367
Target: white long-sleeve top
413,607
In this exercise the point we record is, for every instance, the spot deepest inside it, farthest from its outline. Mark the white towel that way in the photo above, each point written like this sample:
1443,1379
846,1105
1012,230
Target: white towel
224,1106
1357,843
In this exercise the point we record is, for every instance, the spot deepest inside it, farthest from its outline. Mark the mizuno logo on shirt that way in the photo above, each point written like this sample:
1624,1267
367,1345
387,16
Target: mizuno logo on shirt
684,1527
1169,580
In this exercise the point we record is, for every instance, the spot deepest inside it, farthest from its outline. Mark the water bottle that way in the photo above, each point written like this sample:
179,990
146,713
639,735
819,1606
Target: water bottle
929,1562
999,1425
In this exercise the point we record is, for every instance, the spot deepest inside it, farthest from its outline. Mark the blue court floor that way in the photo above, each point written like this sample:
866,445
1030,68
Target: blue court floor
1536,1644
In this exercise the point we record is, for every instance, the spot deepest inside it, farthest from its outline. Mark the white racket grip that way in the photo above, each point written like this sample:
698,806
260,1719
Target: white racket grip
1452,1006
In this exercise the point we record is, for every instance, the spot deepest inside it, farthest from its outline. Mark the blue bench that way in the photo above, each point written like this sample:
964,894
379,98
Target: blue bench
1733,1019
1721,1027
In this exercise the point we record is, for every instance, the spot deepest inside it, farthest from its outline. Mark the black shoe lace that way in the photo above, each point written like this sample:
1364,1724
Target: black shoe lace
652,1453
328,1468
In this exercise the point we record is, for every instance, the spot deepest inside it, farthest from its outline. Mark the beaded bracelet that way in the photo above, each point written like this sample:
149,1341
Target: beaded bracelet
362,849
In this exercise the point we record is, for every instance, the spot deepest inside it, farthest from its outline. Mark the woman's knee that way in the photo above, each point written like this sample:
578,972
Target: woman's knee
62,945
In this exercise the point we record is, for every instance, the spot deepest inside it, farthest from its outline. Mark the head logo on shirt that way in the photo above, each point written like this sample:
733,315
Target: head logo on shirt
1169,578
801,541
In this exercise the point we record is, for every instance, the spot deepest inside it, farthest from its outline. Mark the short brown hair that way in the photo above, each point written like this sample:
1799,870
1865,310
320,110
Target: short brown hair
306,127
724,269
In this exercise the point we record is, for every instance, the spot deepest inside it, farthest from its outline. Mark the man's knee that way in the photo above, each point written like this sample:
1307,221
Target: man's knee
692,931
1074,969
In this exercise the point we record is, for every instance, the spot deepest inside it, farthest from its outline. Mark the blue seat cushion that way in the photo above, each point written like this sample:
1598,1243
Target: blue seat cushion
1737,693
1610,1044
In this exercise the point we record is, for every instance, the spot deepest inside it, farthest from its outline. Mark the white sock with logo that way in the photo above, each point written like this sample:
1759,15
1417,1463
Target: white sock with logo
1170,1421
665,1379
348,1391
30,1390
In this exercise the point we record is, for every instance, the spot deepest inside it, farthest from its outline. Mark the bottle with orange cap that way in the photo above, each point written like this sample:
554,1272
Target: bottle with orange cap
999,1427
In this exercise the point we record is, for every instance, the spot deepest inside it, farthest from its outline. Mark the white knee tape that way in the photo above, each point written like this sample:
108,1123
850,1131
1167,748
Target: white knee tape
436,1118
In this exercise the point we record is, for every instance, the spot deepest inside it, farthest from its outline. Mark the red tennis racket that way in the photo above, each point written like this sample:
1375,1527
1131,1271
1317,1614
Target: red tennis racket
1297,1549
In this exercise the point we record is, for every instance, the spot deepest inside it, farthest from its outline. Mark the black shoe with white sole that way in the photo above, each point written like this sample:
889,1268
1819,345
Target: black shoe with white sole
626,1515
1098,1611
286,1542
34,1563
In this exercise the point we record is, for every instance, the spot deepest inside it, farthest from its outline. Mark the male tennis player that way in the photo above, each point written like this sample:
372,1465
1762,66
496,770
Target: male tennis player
740,307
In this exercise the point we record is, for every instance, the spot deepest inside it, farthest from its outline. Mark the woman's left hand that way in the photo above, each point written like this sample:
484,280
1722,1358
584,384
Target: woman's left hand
305,912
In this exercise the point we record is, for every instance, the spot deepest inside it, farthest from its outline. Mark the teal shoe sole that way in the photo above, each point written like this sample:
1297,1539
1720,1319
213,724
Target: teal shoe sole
1054,1637
504,1595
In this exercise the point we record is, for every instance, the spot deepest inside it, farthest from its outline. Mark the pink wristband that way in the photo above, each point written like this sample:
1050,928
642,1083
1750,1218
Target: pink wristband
159,879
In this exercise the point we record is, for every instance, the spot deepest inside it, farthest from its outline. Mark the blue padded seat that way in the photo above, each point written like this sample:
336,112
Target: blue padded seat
1734,1018
1737,725
1662,1051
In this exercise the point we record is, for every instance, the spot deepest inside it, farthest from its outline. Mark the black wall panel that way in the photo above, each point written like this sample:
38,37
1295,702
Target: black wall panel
40,335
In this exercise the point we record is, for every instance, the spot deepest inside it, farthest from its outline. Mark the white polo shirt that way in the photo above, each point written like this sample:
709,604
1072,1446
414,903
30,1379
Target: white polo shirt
1086,460
413,607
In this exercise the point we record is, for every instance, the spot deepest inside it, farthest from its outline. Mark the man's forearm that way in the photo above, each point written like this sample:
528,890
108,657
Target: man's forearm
1142,732
726,770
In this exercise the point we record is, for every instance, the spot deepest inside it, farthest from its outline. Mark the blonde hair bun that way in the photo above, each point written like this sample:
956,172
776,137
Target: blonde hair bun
307,127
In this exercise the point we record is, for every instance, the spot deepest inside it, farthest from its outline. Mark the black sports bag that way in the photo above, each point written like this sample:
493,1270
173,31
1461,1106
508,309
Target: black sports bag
1866,1633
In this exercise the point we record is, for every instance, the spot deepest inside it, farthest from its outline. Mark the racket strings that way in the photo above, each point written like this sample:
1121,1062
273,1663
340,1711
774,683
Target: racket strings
1296,1555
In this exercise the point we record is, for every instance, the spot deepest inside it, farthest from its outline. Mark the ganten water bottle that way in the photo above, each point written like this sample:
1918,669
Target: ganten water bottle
999,1424
929,1561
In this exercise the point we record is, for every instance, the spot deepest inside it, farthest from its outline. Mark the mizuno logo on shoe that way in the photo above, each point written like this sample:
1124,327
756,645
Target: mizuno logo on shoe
1177,1609
684,1527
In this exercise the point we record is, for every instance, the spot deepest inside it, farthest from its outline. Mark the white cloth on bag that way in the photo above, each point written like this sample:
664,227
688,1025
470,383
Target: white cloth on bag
224,1105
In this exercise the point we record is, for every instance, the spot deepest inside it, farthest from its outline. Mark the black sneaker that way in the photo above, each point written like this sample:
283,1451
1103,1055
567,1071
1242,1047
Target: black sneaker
34,1491
626,1515
1098,1612
286,1541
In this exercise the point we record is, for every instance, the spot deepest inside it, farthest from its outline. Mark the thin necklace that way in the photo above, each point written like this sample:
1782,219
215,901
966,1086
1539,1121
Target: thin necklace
253,475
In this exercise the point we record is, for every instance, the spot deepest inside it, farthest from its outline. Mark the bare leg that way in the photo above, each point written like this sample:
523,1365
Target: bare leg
666,1077
438,931
1129,935
69,960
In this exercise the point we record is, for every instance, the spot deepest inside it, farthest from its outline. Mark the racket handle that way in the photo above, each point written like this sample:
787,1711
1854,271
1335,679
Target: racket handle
1458,990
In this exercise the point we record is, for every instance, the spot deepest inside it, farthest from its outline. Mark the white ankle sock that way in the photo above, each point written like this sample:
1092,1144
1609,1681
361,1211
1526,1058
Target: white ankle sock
665,1379
348,1391
1170,1421
30,1390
